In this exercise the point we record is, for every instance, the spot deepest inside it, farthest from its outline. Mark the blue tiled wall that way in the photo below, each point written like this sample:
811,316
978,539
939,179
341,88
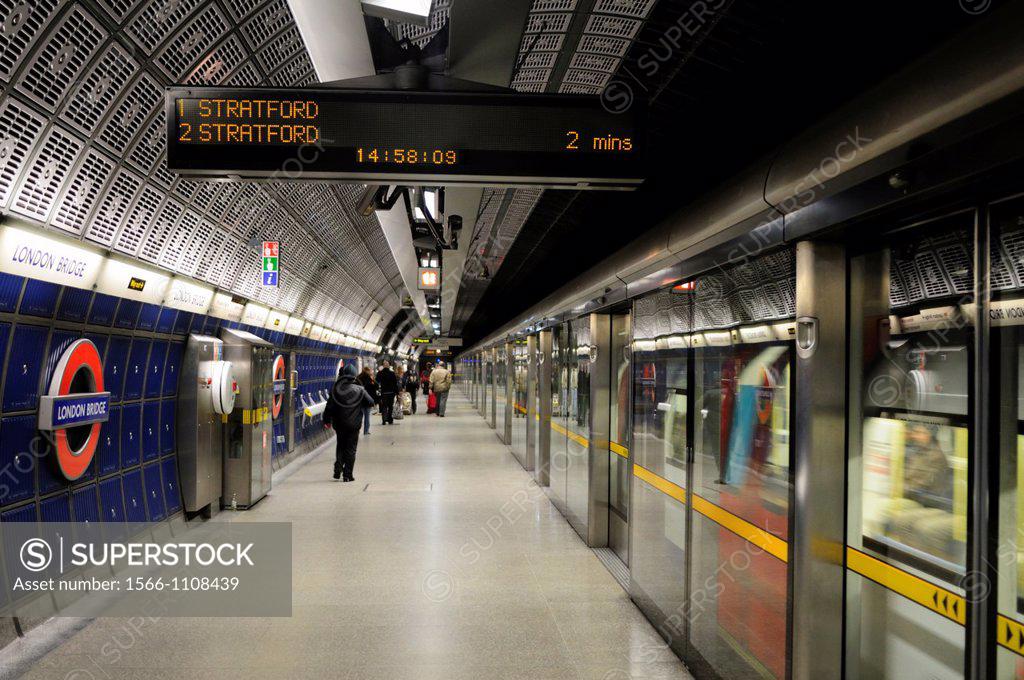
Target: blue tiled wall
134,473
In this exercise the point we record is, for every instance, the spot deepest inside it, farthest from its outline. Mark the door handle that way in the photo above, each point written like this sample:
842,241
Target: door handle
806,336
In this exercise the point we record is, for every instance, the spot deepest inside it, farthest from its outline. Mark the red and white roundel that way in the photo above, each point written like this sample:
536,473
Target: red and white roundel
279,384
75,407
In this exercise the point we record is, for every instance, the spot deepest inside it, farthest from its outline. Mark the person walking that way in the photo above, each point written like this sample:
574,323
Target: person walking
440,383
388,383
367,382
425,378
343,413
408,383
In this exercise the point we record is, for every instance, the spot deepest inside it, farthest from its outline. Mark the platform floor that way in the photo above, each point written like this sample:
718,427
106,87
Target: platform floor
442,560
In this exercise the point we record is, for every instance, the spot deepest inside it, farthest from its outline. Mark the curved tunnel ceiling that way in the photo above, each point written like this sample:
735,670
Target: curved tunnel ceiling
82,151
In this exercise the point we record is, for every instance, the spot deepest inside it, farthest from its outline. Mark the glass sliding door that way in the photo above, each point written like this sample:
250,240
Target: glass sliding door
577,423
519,378
741,482
911,351
619,471
1006,334
559,455
659,444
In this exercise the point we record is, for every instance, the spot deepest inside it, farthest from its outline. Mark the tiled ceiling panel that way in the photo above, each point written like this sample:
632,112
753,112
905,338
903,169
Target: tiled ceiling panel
82,149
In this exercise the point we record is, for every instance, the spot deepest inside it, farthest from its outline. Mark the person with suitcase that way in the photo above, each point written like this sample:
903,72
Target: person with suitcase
409,385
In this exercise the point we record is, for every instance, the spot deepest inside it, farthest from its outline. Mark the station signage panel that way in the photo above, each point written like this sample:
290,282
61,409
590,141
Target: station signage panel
428,278
255,315
124,278
75,406
280,378
225,307
496,138
271,264
31,254
188,296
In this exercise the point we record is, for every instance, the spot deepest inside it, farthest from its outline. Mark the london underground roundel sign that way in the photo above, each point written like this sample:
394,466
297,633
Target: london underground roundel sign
280,383
72,411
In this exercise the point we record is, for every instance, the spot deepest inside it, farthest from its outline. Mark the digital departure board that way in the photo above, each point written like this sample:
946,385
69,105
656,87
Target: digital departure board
408,137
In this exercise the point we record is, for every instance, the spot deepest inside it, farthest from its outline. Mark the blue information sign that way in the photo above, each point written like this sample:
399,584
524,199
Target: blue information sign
269,278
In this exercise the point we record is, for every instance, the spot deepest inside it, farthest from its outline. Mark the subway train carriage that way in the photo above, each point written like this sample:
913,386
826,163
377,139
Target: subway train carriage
512,339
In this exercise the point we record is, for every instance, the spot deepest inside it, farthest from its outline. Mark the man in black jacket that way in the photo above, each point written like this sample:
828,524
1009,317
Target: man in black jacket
344,412
388,382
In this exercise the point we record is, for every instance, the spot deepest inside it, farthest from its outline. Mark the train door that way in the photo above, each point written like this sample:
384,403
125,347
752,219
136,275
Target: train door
710,516
910,447
544,406
739,475
619,471
577,426
559,455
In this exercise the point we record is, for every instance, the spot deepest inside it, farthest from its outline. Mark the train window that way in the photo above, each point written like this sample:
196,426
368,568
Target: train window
911,348
914,424
660,384
1006,322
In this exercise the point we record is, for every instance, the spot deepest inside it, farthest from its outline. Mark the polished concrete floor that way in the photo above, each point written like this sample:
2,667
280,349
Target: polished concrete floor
442,560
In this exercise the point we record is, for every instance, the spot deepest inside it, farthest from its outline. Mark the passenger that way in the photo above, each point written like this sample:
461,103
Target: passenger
367,382
425,378
408,386
388,384
440,382
349,400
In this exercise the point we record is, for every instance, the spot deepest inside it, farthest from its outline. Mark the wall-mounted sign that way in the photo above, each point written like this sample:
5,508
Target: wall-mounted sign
277,320
294,326
280,384
188,296
255,315
307,328
223,306
428,278
447,342
421,341
125,278
74,407
316,333
271,264
29,253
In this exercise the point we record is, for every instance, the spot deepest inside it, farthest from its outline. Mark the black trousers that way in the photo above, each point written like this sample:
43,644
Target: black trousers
412,397
387,408
345,453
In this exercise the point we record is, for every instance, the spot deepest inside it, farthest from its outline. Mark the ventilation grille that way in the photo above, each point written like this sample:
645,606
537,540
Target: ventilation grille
22,24
638,9
55,68
18,128
99,88
113,208
159,19
130,114
191,42
82,192
215,67
46,174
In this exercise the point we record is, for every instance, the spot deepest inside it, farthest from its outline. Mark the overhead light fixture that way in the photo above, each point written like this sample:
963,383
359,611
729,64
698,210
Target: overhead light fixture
407,11
430,199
